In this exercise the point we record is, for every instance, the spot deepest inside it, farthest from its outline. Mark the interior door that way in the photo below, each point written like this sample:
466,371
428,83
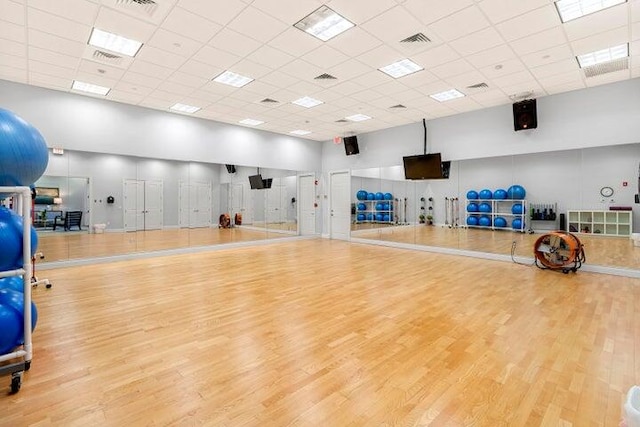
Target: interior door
237,202
153,199
133,205
276,206
202,204
183,210
306,205
339,205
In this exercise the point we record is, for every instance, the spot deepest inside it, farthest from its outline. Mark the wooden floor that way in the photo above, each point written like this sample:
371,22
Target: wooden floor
327,333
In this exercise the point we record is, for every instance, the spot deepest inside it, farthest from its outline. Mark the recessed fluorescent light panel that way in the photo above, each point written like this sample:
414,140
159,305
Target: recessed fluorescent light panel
324,24
233,79
114,42
251,122
447,95
300,132
88,87
574,9
401,68
358,117
604,55
182,108
306,102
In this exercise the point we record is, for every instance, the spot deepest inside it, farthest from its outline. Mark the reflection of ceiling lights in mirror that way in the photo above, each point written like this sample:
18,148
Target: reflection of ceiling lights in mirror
358,117
324,24
232,79
574,9
300,132
401,68
604,55
182,108
90,88
306,102
447,95
251,122
114,42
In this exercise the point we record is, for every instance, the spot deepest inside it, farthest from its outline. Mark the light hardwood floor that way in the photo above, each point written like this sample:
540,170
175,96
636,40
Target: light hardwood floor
328,333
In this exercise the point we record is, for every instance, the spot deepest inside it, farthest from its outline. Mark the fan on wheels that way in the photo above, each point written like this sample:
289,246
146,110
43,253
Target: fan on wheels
559,250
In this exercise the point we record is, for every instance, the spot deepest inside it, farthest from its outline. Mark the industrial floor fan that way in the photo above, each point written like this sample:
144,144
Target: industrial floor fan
559,250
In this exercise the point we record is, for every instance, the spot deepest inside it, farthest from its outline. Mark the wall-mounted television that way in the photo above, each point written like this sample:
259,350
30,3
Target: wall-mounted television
256,182
423,166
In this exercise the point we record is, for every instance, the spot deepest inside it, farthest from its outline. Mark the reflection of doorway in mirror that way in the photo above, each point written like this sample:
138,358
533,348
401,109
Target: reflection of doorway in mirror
276,204
238,203
195,204
306,205
142,205
339,205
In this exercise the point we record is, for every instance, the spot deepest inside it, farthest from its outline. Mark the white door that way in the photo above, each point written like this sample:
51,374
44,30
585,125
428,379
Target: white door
133,205
183,201
202,204
153,213
237,202
339,205
306,205
276,204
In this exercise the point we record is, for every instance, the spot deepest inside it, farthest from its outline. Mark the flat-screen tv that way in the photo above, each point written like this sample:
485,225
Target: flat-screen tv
423,166
256,182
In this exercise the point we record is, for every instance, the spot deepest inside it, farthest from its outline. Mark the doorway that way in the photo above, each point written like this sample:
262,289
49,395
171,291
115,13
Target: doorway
339,205
143,205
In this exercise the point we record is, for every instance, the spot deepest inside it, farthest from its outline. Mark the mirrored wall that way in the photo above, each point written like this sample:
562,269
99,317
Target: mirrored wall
560,188
92,205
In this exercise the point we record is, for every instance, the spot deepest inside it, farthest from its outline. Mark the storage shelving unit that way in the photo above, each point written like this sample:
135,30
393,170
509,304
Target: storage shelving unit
502,208
543,214
605,223
371,209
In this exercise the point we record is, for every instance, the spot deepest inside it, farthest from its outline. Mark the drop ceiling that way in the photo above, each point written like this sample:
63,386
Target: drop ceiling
516,48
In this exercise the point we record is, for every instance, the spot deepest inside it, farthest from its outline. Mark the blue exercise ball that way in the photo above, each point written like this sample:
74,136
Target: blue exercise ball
500,222
371,196
379,217
385,206
13,283
484,221
517,224
516,209
379,196
485,194
361,195
500,194
379,206
472,207
362,207
361,217
23,151
516,192
370,216
11,240
472,194
472,220
388,196
484,207
386,218
12,319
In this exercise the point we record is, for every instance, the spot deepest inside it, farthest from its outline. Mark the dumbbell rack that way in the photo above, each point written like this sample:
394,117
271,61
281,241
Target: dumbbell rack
20,358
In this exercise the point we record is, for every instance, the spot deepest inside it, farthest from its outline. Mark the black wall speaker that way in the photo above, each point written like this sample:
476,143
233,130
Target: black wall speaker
231,168
446,169
351,145
524,115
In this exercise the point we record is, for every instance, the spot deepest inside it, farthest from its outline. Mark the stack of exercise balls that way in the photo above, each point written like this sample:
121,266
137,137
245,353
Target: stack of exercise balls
23,159
479,202
383,206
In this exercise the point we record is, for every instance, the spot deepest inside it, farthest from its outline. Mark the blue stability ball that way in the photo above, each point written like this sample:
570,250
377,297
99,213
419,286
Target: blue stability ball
371,196
362,207
485,194
388,196
379,217
23,152
484,207
472,220
370,216
12,319
500,194
472,194
386,218
517,224
379,196
516,192
385,206
484,221
472,207
361,195
500,222
361,217
516,209
379,206
10,240
14,283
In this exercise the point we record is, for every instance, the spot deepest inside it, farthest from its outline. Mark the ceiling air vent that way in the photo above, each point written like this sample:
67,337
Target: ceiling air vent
416,38
606,67
398,106
269,101
106,57
478,86
147,7
325,76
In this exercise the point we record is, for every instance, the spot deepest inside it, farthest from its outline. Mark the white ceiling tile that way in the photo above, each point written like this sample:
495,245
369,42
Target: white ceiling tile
601,41
635,31
124,97
13,74
295,42
608,19
354,42
453,68
80,11
200,69
58,26
133,89
154,103
175,88
501,10
216,57
135,80
92,67
634,7
287,11
279,79
325,57
270,57
368,95
190,25
257,25
234,42
530,23
10,31
12,12
490,95
160,57
434,87
548,56
174,43
187,79
507,67
567,87
418,79
124,25
512,79
380,28
437,56
540,41
373,79
360,11
170,98
347,88
13,61
302,70
391,87
491,56
380,56
477,42
154,14
634,48
101,80
49,81
429,11
56,44
143,67
12,48
218,11
561,79
250,69
461,23
218,88
51,70
349,69
465,104
261,88
467,79
608,78
531,88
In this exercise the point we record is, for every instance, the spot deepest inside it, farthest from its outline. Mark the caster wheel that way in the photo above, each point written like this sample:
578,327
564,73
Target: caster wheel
48,286
34,279
16,382
565,271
